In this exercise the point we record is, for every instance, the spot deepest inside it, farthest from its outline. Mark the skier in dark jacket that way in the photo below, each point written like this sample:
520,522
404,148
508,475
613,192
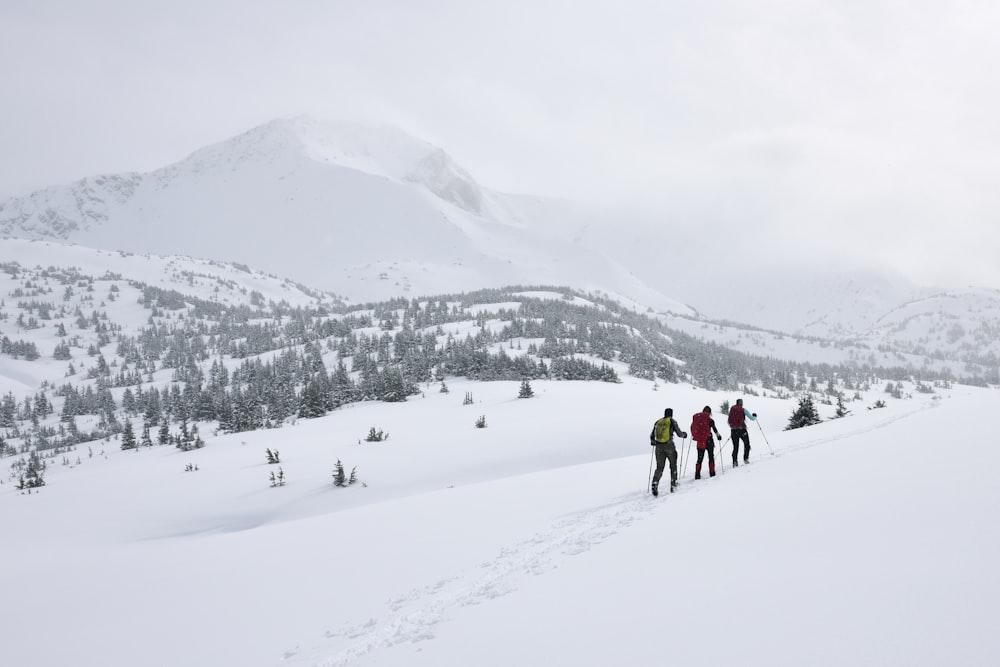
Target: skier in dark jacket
662,437
738,416
707,444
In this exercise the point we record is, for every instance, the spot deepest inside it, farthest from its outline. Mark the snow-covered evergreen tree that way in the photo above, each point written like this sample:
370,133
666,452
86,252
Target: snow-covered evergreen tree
804,415
842,410
147,440
128,436
339,476
34,474
376,435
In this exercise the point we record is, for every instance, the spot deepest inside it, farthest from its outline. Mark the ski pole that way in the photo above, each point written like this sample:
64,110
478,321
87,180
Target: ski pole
722,459
681,465
649,484
765,437
687,451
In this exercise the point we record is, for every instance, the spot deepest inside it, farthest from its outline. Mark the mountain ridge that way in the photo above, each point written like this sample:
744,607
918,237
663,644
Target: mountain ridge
367,212
373,213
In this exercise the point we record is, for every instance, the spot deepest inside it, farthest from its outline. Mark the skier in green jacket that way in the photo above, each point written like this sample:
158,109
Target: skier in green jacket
662,437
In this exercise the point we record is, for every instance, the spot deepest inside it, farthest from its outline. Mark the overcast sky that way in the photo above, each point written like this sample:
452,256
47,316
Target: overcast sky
867,128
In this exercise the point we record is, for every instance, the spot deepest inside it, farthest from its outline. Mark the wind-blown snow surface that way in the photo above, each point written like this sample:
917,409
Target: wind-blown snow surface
866,540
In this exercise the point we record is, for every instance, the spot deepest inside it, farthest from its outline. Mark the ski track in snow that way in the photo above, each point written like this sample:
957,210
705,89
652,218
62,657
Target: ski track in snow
882,423
412,617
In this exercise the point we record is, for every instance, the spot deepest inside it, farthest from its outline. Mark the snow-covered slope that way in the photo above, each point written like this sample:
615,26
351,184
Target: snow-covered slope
63,278
223,282
531,541
958,331
960,325
367,212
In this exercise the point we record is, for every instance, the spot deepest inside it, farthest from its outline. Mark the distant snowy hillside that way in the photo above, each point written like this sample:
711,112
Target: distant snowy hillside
223,282
367,212
50,302
960,325
786,294
957,331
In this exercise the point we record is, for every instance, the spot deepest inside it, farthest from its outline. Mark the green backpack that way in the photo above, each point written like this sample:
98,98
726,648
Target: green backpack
661,430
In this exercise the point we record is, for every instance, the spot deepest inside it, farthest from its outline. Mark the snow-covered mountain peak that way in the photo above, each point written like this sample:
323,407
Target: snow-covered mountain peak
377,150
449,181
366,211
381,151
265,143
385,151
273,144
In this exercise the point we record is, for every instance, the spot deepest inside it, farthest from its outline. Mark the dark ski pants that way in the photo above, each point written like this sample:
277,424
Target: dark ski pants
737,435
710,448
665,452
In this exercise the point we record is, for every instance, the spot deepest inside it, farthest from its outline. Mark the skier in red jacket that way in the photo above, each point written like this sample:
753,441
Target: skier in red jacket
738,416
702,428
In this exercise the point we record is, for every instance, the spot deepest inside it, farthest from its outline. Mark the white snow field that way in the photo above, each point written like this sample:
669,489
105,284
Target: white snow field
868,540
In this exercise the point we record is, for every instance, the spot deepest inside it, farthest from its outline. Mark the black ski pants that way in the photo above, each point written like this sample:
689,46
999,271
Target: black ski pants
665,452
737,435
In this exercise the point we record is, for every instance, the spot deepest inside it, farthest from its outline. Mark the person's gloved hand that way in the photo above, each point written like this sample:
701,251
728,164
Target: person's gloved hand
684,435
754,415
